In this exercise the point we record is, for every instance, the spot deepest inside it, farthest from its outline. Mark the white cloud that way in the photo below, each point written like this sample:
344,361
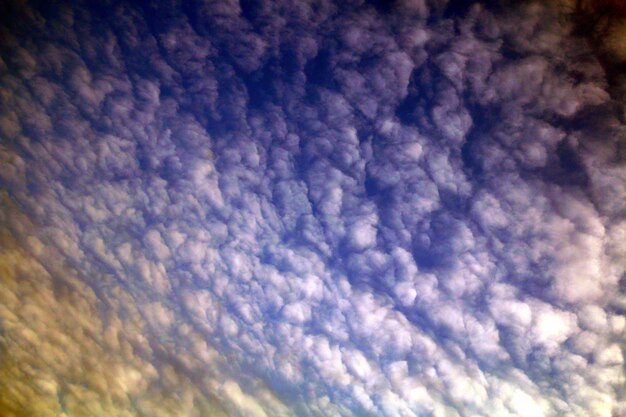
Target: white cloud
298,209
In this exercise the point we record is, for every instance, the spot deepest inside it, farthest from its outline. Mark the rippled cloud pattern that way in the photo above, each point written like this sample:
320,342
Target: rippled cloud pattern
287,208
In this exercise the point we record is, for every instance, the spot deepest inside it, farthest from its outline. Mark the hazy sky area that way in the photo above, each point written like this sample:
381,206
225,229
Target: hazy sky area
313,209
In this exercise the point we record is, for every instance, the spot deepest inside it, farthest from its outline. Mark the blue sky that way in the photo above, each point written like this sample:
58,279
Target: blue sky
312,209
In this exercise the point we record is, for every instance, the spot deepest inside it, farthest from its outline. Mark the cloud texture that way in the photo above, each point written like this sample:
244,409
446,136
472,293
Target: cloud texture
312,209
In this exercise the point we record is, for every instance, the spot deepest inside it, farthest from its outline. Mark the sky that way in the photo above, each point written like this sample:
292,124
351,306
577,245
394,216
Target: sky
265,208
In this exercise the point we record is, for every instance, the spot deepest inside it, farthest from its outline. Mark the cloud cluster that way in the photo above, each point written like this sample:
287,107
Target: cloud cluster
275,208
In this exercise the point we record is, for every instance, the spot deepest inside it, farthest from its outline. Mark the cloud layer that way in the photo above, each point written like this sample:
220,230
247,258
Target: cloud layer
312,209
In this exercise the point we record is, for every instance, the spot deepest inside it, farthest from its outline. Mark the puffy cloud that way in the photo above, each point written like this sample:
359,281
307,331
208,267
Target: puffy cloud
274,208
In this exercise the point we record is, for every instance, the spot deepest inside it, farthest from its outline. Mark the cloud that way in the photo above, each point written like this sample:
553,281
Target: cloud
259,209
